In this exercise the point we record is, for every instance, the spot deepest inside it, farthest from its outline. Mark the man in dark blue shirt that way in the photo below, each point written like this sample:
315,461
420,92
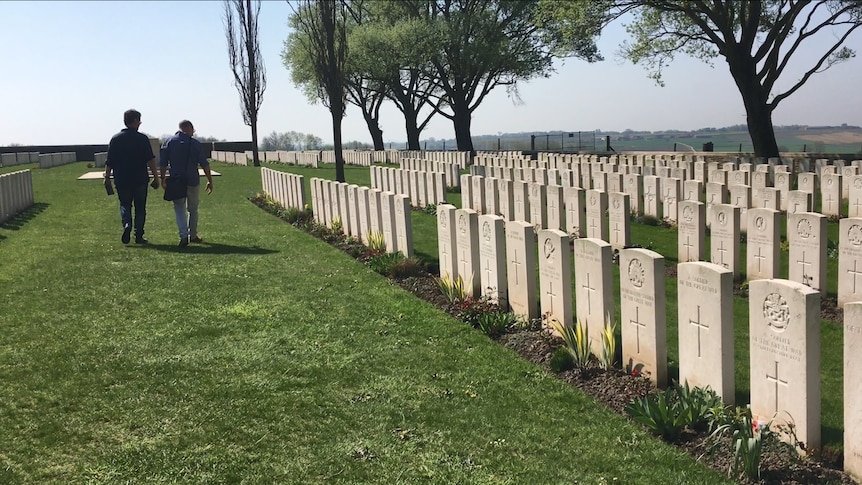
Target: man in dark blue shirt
129,155
184,154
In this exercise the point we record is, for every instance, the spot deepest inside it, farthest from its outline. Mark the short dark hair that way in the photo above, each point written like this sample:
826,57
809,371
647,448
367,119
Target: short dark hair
186,124
130,116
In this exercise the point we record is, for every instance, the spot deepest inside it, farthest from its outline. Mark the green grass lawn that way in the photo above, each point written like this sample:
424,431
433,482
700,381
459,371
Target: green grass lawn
266,356
664,241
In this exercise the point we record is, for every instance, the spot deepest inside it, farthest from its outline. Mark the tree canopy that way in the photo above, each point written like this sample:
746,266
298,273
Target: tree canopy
758,39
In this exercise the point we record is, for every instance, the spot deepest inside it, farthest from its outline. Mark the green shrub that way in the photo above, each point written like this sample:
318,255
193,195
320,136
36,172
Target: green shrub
609,344
376,241
494,323
454,290
561,360
658,413
383,263
407,268
296,216
577,341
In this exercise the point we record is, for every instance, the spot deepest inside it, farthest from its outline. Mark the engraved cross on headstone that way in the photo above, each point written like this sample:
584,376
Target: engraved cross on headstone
721,250
590,290
777,381
688,245
759,257
855,273
517,266
638,325
806,278
699,326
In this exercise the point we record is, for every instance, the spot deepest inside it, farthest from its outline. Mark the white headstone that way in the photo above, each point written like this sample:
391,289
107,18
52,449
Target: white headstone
642,314
576,211
784,331
593,287
763,242
492,256
468,250
555,276
852,397
849,260
447,241
521,268
806,235
724,237
597,208
619,227
691,231
705,299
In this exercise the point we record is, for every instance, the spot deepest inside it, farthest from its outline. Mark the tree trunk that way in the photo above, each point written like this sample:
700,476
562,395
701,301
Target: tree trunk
758,113
412,126
759,119
375,131
255,153
336,144
461,120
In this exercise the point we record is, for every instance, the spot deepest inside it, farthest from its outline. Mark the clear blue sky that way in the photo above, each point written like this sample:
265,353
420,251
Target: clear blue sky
70,69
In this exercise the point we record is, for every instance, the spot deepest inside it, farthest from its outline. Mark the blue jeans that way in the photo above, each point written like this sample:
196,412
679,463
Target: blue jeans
137,196
188,227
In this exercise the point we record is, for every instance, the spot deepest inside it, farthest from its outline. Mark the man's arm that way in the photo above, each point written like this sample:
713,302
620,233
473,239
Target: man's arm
163,163
209,175
156,176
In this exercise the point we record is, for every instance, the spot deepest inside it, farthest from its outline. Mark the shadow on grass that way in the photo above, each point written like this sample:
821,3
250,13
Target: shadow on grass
18,221
208,248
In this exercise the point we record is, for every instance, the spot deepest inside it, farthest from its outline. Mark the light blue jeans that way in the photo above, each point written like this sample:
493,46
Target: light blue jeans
188,226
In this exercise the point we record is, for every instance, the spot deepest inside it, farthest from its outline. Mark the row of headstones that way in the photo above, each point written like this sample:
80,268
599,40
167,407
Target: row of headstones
500,259
19,158
452,170
288,189
236,158
16,193
363,212
307,158
100,159
48,160
422,188
461,158
650,195
362,158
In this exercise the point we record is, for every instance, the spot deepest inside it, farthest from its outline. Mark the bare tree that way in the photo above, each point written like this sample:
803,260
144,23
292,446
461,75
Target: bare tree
243,48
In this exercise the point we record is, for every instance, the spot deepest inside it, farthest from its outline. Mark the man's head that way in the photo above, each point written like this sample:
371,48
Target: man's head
132,118
187,127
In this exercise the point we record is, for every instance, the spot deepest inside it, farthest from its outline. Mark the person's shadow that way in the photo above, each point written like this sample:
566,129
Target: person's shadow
207,248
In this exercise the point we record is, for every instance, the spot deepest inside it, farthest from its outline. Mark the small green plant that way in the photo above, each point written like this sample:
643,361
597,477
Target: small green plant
650,220
561,360
784,246
747,435
376,241
296,216
658,414
577,341
336,225
384,262
495,323
453,289
406,268
695,404
430,209
609,344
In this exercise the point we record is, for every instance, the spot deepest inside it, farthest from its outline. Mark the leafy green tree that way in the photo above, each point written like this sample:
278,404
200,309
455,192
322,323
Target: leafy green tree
390,49
316,54
478,45
757,39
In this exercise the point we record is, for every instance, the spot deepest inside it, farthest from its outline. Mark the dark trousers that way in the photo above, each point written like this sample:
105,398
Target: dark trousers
133,196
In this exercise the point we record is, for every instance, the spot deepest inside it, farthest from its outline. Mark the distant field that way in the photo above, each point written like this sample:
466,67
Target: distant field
838,140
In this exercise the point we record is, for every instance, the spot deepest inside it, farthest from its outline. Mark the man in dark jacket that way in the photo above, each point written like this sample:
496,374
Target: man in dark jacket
129,155
184,154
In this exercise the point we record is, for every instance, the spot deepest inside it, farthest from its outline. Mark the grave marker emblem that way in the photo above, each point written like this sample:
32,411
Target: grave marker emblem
854,234
636,273
804,228
776,312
